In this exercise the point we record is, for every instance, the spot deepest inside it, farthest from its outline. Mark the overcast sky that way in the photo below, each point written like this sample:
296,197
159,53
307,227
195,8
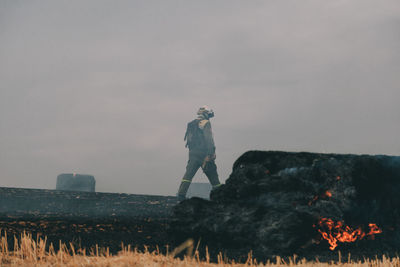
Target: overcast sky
107,87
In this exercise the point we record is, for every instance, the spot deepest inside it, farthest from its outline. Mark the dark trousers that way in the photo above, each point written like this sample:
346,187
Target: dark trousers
196,160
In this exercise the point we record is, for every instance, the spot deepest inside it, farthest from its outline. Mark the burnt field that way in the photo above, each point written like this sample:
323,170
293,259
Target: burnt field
274,204
86,219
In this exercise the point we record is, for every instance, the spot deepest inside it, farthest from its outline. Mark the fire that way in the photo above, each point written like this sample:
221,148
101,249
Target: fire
373,229
328,193
339,232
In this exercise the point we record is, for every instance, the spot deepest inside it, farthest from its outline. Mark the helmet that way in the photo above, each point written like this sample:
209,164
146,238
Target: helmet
206,110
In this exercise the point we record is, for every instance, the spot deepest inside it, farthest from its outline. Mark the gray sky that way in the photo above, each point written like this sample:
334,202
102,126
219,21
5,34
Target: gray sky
107,87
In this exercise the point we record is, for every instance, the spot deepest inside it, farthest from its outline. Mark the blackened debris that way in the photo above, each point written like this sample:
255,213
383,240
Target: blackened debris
272,203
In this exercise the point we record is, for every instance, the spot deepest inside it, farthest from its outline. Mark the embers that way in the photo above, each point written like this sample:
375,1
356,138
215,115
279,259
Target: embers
325,195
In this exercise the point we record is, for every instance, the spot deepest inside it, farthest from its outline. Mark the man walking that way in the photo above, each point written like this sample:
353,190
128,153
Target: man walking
199,140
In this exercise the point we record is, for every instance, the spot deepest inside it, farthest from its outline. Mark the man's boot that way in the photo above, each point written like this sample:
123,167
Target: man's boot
183,188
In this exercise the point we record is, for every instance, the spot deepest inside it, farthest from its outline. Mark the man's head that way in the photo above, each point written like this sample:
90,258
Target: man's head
206,111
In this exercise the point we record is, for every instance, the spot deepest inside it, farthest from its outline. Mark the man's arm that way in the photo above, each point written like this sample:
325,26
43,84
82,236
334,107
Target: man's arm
208,136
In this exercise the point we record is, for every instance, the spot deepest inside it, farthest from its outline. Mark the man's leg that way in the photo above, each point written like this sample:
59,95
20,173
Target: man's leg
192,166
211,172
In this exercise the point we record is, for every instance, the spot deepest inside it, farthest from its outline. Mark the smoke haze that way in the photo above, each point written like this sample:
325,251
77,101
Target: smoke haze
107,87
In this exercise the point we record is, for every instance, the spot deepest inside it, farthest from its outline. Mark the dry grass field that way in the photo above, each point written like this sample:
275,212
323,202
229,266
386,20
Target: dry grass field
28,252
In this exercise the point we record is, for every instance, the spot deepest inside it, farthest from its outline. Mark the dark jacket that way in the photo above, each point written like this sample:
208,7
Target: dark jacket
209,146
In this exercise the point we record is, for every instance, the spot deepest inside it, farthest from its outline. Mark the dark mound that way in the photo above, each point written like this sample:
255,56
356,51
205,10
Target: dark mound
278,203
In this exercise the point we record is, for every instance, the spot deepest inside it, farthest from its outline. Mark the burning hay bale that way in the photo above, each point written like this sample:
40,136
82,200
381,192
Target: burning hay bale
283,203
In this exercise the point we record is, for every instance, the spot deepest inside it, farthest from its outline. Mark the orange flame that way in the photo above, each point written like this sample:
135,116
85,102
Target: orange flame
328,193
373,229
338,232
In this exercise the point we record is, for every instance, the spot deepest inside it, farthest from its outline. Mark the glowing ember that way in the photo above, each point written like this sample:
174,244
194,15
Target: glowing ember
338,232
325,195
373,229
313,200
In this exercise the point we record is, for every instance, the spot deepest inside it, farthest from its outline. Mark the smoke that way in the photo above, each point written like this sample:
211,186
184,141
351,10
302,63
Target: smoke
107,88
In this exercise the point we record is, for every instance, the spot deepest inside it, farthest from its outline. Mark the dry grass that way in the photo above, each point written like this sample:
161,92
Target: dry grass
28,252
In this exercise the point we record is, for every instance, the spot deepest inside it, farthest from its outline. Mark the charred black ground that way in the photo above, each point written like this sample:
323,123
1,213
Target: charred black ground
85,218
272,203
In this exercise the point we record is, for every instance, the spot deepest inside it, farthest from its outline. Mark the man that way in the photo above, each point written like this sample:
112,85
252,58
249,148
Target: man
199,140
